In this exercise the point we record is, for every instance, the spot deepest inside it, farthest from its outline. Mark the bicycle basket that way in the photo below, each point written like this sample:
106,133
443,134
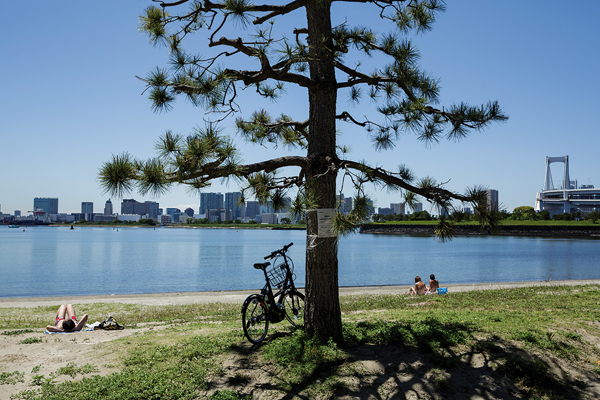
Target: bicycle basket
276,274
279,260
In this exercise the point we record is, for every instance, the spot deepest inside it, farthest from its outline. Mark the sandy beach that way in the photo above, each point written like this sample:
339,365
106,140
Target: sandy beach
57,351
240,295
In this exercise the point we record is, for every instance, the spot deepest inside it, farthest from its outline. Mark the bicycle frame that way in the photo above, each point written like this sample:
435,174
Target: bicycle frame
274,299
278,300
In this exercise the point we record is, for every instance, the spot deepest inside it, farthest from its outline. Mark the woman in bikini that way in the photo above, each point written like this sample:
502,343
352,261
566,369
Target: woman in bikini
66,321
433,284
419,287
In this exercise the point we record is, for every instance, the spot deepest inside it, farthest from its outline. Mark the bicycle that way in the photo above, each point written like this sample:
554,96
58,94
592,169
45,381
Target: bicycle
267,307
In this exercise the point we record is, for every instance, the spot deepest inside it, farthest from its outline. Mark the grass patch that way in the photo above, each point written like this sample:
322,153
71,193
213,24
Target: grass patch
128,315
17,332
72,370
31,340
11,378
534,376
304,363
184,359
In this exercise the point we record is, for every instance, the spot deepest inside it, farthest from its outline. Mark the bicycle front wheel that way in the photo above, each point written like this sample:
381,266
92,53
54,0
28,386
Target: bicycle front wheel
293,301
255,318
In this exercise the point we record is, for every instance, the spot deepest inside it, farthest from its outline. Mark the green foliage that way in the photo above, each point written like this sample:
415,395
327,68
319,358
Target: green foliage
407,99
593,216
31,340
429,333
510,326
229,395
524,213
534,374
11,378
303,357
544,215
175,371
17,332
420,216
72,370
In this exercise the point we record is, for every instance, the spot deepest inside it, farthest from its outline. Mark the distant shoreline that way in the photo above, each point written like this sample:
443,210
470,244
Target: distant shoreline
534,230
567,231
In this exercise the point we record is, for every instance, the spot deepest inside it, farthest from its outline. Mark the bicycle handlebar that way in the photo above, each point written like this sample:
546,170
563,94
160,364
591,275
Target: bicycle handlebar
280,251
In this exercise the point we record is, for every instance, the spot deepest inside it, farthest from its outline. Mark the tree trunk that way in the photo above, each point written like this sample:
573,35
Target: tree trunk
323,316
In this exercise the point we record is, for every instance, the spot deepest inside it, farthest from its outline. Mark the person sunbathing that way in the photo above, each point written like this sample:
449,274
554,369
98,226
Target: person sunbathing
433,284
419,287
66,321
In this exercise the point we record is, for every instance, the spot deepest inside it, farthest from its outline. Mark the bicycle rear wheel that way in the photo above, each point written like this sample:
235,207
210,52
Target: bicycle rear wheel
255,318
293,301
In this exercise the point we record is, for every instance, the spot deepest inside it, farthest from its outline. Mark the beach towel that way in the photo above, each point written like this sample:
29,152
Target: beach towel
60,333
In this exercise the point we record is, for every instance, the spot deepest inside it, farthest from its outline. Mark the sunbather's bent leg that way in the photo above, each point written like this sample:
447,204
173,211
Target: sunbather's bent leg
60,314
71,312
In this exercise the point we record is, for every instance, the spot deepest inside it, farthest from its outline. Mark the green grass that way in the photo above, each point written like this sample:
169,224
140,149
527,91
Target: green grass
17,332
31,340
519,331
507,222
10,378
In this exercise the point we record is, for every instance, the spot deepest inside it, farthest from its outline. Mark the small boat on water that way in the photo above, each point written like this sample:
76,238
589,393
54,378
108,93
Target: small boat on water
13,226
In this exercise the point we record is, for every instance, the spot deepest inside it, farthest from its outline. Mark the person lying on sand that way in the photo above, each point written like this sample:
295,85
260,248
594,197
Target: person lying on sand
419,287
66,321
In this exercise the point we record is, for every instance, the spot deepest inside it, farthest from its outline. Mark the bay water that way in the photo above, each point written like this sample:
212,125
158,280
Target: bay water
58,261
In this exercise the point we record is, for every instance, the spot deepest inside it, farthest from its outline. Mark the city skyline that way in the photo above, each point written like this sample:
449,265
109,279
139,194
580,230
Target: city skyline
54,142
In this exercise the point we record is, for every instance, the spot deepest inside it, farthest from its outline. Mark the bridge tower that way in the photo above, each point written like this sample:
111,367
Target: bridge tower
566,183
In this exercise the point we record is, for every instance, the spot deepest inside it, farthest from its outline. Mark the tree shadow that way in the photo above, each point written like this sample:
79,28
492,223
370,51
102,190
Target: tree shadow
420,360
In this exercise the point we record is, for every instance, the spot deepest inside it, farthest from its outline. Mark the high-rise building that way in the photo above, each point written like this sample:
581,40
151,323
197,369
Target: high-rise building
385,211
252,210
398,208
48,204
345,204
492,200
209,201
87,209
174,213
17,213
131,206
152,209
232,201
108,208
189,212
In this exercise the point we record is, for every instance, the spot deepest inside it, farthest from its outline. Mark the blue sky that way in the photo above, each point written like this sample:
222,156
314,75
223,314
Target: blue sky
70,99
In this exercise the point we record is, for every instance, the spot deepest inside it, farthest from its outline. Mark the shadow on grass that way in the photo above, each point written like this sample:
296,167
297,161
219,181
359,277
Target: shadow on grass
389,360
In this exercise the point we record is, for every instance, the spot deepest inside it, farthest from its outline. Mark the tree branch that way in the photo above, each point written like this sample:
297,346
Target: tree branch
431,192
206,174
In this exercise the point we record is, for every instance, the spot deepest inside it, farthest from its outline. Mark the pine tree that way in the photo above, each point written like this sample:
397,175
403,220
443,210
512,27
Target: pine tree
318,58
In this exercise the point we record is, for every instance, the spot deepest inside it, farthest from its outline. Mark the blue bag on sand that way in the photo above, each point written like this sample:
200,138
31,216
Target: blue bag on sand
442,290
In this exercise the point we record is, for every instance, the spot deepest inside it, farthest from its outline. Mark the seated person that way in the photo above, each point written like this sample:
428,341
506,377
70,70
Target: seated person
66,321
433,284
419,287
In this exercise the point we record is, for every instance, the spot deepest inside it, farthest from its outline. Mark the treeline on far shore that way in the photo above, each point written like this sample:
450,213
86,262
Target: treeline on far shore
524,215
285,223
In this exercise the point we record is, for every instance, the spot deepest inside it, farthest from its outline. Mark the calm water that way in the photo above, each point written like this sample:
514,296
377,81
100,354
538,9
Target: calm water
46,261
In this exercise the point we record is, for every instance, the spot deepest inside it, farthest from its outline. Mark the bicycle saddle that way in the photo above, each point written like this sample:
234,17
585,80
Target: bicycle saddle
262,265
